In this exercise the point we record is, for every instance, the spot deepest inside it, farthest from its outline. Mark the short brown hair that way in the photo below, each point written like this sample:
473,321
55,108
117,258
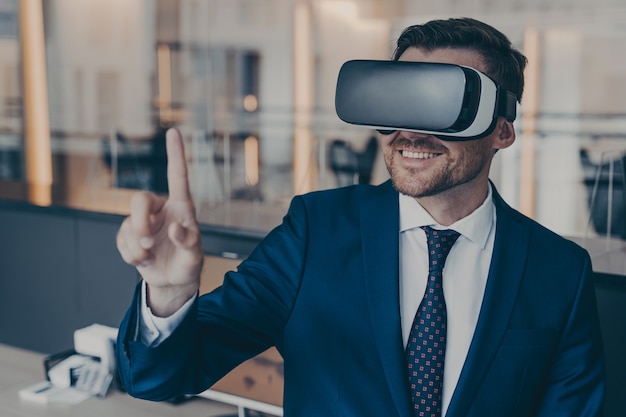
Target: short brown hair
505,64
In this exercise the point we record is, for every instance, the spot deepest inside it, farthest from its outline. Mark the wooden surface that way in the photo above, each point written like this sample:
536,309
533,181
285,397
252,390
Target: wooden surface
608,256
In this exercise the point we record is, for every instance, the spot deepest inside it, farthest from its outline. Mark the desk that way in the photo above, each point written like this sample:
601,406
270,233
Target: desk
608,256
21,368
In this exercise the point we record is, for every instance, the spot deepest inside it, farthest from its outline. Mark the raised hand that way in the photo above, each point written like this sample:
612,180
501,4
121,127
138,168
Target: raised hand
161,237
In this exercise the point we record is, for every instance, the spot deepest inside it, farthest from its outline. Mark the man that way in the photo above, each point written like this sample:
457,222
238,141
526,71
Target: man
337,285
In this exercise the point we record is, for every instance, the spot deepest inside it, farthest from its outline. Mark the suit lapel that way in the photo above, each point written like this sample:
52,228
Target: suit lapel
507,264
380,229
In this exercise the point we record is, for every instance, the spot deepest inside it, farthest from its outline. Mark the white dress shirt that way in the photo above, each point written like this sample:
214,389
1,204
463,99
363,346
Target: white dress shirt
464,279
152,329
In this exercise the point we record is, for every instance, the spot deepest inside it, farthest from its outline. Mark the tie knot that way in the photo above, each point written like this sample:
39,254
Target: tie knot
439,244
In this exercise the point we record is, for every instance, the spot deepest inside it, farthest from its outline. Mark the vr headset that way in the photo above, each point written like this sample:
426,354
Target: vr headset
452,102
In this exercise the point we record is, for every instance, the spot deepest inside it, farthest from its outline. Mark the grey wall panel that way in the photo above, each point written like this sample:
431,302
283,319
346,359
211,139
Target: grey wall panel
60,270
106,281
38,286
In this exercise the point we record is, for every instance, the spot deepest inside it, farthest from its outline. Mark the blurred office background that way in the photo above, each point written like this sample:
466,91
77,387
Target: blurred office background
250,83
87,88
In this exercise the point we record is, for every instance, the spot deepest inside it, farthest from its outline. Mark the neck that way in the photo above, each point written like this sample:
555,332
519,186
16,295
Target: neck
454,204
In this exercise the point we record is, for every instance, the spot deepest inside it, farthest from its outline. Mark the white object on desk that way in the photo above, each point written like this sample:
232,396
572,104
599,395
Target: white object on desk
99,341
46,392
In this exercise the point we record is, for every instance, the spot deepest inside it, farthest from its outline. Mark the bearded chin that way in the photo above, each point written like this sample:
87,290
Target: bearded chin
409,183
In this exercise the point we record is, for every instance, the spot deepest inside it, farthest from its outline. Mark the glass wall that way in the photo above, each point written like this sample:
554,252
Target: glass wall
250,83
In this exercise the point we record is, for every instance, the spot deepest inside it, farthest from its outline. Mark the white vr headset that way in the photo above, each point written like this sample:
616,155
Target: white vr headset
452,102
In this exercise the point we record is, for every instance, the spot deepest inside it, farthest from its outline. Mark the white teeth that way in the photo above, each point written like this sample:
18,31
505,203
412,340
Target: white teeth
418,155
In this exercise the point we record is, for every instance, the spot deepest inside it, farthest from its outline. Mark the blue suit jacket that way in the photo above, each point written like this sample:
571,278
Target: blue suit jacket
323,288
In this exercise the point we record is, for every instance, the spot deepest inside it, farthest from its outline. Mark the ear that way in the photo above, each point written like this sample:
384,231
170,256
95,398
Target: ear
505,134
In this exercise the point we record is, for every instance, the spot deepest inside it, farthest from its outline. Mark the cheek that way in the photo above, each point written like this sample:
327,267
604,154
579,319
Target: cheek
385,142
387,149
473,156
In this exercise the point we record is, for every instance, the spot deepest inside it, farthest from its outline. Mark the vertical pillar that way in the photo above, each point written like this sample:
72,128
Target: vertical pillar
532,50
38,155
164,69
303,80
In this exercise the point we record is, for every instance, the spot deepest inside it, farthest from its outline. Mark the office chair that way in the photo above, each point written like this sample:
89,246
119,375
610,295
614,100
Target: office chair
605,182
350,166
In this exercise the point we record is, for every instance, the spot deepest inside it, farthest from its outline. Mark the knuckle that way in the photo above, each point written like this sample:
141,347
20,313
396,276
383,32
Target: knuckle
130,251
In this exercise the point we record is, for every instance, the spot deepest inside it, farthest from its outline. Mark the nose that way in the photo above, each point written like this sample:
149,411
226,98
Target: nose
408,134
404,133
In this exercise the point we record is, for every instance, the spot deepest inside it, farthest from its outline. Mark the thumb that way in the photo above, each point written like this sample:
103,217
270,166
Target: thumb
183,237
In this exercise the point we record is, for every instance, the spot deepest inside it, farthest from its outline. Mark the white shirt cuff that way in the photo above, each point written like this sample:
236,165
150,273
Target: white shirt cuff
152,329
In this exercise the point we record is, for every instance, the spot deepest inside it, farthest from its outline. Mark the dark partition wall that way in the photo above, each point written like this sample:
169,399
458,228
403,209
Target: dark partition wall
60,271
38,298
611,296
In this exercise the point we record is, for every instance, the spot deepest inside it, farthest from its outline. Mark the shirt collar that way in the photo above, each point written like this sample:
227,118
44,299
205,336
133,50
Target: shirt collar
475,227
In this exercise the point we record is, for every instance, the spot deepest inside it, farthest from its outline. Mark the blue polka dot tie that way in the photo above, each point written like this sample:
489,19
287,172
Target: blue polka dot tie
427,342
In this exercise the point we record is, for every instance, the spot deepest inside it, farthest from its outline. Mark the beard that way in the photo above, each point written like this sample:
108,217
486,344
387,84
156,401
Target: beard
445,176
410,183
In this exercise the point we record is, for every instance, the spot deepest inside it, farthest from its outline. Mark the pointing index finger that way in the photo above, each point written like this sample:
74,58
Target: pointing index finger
177,181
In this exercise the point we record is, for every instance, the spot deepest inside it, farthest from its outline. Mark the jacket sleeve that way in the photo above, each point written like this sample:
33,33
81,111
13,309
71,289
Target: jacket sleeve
576,382
146,372
237,321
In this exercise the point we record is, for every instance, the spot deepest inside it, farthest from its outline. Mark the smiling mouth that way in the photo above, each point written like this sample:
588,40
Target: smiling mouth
418,155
